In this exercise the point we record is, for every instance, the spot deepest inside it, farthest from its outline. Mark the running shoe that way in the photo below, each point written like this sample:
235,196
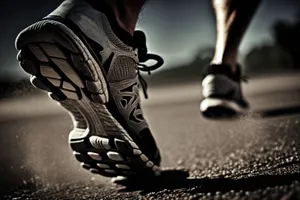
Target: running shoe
222,92
90,66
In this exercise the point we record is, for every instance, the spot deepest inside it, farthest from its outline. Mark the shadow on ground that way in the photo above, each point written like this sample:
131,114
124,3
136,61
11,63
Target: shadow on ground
263,113
177,179
279,112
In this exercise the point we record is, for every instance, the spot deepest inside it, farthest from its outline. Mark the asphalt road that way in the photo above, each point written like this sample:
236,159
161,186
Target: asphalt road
253,157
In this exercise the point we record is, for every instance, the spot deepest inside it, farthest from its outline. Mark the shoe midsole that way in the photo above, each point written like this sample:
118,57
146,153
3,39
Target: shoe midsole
208,103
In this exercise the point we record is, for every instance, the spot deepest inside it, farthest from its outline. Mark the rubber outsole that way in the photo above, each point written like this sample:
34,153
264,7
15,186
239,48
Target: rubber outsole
60,64
220,108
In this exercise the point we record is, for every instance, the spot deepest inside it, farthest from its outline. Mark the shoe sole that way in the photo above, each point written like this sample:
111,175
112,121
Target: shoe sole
220,108
62,65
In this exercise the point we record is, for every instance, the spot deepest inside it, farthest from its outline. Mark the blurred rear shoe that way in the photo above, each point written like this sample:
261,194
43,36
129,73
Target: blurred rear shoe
77,56
222,92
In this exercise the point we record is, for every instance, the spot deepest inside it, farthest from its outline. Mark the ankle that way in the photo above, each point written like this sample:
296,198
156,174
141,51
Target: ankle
224,69
126,25
232,65
229,60
119,28
126,13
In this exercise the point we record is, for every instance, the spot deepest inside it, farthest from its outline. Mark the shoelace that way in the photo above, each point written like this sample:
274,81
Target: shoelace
140,40
245,78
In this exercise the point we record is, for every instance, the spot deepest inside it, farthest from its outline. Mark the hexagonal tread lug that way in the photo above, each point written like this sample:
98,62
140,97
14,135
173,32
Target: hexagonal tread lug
55,82
48,72
53,50
122,166
85,166
68,70
103,166
68,86
70,94
94,156
114,156
38,52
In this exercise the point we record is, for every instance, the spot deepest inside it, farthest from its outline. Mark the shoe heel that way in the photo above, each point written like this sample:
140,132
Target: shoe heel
56,54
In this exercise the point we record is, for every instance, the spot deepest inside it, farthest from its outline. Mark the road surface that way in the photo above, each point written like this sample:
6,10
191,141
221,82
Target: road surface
253,157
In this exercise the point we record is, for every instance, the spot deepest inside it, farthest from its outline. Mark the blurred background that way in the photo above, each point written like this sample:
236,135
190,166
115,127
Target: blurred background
34,154
182,33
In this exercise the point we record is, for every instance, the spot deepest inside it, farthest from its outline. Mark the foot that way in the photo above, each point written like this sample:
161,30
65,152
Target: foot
76,56
222,93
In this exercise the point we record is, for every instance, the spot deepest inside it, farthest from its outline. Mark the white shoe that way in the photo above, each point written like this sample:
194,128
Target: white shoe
222,93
